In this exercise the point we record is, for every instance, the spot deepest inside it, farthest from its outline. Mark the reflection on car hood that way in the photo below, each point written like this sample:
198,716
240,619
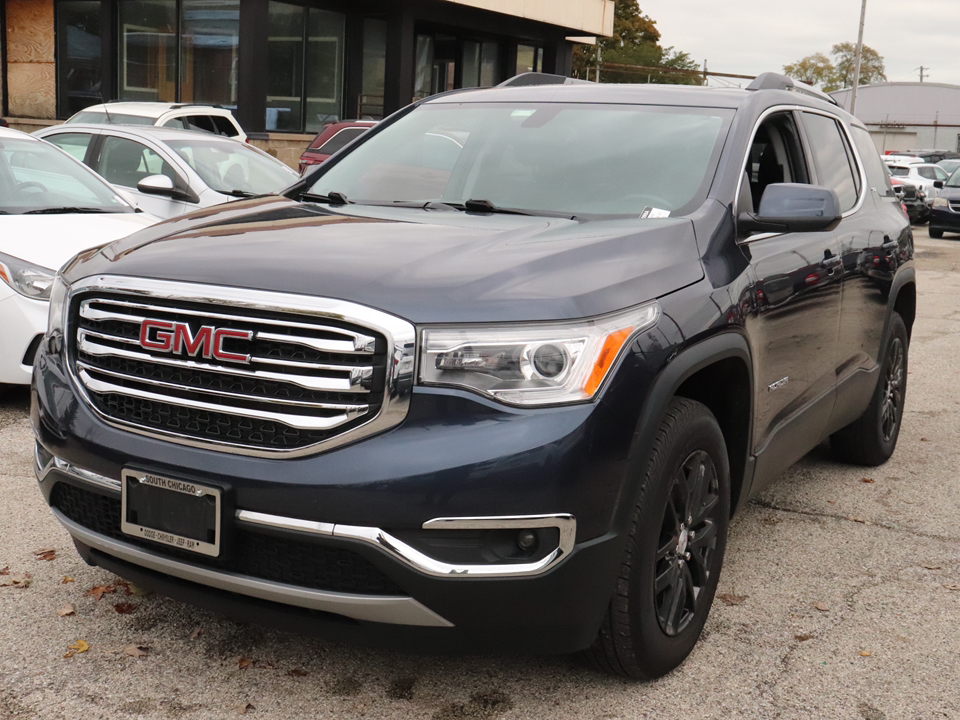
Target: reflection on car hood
51,240
440,266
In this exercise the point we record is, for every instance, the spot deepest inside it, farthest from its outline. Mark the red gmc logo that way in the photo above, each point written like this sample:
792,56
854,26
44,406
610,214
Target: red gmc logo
177,338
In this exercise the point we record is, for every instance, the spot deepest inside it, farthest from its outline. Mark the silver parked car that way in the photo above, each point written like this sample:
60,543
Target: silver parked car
171,172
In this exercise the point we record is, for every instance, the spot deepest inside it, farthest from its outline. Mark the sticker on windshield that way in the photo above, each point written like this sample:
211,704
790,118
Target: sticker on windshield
652,212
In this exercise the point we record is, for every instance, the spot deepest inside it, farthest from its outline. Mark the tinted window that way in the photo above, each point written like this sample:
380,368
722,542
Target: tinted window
125,162
224,126
899,171
200,122
538,157
177,124
832,158
340,139
74,143
927,173
872,164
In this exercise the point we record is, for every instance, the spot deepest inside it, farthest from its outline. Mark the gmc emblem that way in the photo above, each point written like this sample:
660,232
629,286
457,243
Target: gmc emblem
177,338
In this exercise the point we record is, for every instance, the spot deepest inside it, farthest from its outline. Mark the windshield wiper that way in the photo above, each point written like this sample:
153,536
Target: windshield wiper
67,209
485,206
338,198
239,193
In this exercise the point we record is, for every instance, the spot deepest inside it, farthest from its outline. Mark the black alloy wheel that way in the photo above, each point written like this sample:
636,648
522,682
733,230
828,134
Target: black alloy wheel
688,537
872,438
674,549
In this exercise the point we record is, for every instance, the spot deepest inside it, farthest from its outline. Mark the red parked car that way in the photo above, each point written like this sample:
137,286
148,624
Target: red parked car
331,138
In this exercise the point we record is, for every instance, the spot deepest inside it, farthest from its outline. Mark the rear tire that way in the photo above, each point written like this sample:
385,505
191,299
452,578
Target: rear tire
671,565
935,233
871,438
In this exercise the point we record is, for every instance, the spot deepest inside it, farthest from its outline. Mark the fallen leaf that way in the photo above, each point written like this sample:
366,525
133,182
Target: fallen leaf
80,646
66,579
244,662
136,590
867,480
196,633
858,520
136,651
822,607
298,672
98,591
952,587
5,571
923,440
244,709
47,554
731,599
21,580
67,609
125,608
865,653
930,566
832,502
802,638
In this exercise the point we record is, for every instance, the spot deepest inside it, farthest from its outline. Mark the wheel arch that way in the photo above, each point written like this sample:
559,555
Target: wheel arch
718,372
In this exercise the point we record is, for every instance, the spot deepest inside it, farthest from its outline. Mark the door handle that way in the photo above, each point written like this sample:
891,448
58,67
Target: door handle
829,262
892,245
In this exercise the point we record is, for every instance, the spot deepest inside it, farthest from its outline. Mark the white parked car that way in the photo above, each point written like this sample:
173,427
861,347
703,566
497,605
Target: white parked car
922,175
179,116
172,172
51,208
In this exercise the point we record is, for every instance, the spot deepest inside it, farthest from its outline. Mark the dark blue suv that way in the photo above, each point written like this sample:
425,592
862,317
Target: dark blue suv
496,376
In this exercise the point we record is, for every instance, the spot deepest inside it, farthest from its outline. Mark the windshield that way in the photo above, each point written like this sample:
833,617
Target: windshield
36,176
954,180
99,117
572,159
899,171
231,167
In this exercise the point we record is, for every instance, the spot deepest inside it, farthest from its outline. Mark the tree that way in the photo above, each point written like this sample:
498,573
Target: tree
817,69
845,60
635,41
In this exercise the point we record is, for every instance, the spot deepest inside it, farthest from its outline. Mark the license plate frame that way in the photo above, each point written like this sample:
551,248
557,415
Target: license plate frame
159,498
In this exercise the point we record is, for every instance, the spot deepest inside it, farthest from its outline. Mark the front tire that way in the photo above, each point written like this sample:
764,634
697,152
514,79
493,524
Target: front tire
871,439
671,565
935,233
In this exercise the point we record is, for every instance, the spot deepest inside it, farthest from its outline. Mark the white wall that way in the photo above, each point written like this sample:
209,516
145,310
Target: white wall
593,17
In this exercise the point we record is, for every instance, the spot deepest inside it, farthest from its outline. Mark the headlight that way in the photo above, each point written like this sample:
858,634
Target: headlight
26,278
58,306
531,364
941,202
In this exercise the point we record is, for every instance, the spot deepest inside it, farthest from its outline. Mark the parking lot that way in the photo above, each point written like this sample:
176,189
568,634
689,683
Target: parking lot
840,598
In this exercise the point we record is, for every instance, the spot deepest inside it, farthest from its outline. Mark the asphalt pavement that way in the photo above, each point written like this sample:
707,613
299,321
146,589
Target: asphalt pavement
840,598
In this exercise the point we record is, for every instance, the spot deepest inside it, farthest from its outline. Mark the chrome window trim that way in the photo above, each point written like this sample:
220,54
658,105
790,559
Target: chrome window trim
392,609
799,108
400,336
417,560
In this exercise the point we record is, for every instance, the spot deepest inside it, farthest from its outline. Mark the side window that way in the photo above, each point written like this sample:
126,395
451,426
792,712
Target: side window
877,174
224,126
941,174
74,143
176,123
125,162
927,173
200,122
340,139
775,157
835,167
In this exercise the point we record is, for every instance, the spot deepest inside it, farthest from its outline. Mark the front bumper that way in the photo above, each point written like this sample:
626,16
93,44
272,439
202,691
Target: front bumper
455,459
945,219
23,320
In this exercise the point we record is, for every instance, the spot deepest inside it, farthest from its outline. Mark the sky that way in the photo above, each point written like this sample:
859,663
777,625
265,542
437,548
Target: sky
748,37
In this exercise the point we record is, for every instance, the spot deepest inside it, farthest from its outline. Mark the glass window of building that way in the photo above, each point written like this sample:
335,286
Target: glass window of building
479,66
529,58
370,105
78,55
305,55
209,39
148,50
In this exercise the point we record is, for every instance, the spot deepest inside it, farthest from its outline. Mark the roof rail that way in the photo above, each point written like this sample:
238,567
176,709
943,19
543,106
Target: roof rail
776,81
537,78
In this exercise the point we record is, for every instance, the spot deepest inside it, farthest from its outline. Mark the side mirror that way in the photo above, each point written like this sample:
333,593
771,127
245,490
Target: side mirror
793,207
938,184
158,185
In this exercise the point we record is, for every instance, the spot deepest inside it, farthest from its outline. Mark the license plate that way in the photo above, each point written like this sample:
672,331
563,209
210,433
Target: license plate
174,512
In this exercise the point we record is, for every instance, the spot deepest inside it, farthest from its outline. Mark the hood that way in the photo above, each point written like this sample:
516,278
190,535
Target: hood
425,266
51,240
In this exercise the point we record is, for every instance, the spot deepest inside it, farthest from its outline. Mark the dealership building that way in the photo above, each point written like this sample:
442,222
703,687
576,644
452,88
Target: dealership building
285,68
908,115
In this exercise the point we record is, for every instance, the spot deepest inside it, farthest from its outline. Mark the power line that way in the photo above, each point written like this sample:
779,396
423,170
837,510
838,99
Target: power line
921,69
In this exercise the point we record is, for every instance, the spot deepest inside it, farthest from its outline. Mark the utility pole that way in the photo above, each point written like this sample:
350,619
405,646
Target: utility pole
921,69
856,72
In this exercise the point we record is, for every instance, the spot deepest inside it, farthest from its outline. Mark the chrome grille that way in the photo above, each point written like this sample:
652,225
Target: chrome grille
295,373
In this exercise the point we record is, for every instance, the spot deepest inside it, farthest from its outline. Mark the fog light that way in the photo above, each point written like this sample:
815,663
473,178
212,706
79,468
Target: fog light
526,540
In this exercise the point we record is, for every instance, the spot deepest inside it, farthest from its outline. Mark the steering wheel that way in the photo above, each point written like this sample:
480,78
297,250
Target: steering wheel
30,184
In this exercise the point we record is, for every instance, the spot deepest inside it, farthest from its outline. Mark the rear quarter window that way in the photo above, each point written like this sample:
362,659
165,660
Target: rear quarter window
872,164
